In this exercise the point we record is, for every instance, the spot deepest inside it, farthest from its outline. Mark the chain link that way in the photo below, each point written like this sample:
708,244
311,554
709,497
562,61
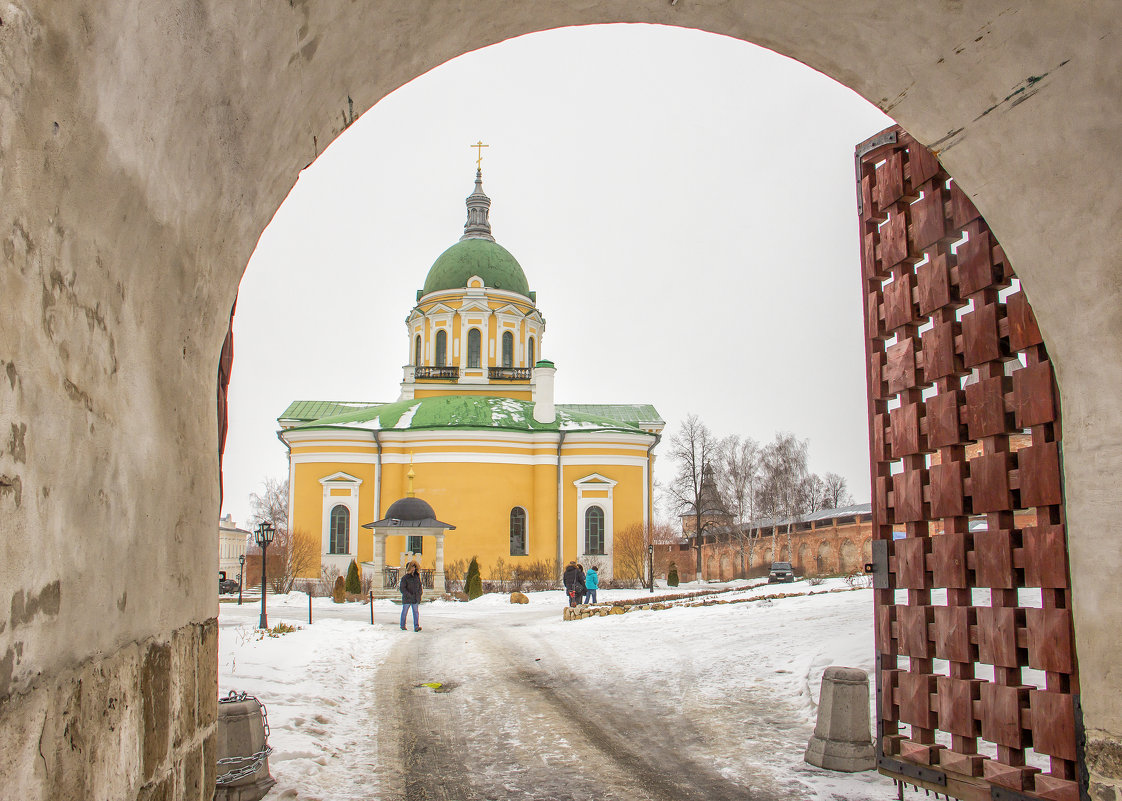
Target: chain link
255,761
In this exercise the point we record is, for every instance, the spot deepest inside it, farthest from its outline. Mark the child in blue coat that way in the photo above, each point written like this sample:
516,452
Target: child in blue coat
591,584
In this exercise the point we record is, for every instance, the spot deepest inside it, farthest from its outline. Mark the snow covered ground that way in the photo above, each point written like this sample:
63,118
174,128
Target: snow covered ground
729,690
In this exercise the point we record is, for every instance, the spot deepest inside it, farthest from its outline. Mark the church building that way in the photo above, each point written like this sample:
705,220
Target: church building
523,479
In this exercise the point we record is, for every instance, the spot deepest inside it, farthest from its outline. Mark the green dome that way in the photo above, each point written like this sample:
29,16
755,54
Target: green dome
489,260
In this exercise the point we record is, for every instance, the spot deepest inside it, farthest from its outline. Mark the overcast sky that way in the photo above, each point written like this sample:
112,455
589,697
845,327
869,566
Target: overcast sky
683,204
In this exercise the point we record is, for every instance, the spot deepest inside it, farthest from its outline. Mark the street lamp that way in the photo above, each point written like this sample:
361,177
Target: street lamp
241,576
650,564
263,536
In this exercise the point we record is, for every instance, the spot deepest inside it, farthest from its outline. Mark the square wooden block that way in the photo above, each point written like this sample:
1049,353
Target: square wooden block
893,241
912,624
949,555
981,342
901,367
997,635
993,559
911,557
952,635
963,210
975,265
898,302
956,705
889,186
1023,330
989,483
928,224
934,285
1050,645
985,408
1039,471
1053,723
1045,557
922,166
905,430
942,418
880,498
1033,399
908,497
1001,714
883,617
913,696
939,358
946,492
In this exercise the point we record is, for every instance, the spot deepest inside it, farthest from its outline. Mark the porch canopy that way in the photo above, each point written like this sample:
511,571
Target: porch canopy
409,516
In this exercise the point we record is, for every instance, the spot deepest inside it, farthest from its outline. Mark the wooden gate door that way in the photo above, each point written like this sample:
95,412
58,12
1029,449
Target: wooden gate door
977,682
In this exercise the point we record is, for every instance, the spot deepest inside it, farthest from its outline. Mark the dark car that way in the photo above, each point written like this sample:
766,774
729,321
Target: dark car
226,585
780,572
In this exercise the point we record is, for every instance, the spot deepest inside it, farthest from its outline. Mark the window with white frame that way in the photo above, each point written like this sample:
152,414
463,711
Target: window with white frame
340,530
518,531
530,353
417,351
594,530
441,348
508,349
474,349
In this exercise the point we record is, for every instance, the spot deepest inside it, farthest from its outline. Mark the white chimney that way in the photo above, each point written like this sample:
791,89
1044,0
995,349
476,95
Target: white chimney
543,392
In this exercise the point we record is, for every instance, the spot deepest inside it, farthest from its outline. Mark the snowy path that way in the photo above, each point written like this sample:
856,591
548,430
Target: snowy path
714,702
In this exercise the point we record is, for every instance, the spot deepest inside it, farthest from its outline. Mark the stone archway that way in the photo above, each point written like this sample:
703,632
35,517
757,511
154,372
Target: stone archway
847,557
710,569
800,566
134,218
726,567
825,559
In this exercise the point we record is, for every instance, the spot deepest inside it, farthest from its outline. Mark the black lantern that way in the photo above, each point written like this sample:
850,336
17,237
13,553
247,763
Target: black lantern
263,535
241,576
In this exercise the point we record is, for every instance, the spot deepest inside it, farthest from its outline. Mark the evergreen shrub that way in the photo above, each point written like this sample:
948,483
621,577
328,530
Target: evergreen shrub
353,586
473,582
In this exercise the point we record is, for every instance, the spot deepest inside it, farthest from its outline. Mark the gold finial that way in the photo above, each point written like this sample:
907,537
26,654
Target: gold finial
479,153
410,475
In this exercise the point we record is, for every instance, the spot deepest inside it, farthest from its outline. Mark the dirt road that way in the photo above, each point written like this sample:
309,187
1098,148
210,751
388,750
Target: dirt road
512,721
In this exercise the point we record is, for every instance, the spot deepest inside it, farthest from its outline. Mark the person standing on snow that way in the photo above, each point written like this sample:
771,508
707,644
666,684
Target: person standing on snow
578,585
569,579
591,584
411,591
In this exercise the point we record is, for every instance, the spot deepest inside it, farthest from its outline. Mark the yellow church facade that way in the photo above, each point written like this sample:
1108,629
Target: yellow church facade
523,479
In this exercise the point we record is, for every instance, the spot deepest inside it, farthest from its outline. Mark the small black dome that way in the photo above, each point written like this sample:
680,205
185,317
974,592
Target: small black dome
410,509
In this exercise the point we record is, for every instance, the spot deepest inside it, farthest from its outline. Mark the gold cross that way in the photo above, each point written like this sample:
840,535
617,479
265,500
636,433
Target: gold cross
479,150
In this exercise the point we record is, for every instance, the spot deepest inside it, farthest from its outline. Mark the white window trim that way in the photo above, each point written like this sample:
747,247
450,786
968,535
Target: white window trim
350,483
525,531
596,483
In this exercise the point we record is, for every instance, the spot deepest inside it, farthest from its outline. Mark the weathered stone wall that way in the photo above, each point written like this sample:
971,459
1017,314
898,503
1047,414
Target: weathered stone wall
144,146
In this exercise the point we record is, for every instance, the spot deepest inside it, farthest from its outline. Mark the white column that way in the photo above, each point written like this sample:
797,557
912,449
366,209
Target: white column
438,577
380,559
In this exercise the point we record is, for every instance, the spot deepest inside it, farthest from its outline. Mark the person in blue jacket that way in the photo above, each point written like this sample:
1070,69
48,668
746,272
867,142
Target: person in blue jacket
591,584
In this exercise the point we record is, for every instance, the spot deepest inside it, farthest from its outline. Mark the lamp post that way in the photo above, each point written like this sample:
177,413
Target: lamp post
650,565
263,536
241,576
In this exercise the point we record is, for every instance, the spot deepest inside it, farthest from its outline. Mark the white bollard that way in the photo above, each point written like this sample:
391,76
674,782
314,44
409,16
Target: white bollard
841,737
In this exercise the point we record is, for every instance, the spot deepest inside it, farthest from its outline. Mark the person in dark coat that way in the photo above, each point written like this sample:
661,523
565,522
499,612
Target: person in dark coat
569,579
578,585
411,591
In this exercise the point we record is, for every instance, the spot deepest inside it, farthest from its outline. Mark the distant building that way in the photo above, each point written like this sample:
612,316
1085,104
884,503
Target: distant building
231,545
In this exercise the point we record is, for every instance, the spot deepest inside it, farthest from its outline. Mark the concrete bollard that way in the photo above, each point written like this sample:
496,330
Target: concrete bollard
243,750
841,737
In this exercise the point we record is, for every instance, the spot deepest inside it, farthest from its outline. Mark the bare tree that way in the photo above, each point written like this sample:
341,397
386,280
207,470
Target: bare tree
738,476
836,493
692,491
813,494
782,486
271,505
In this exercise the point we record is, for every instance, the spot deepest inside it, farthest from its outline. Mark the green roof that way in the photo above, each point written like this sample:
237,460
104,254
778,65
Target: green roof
469,411
634,413
306,410
489,260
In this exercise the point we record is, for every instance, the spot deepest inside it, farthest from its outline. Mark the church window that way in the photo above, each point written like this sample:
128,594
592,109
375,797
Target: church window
508,349
474,347
413,544
594,530
530,353
441,348
340,529
417,351
517,531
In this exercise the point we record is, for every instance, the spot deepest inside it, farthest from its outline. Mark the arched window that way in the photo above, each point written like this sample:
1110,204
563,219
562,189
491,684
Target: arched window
530,353
508,349
417,351
517,531
441,348
414,544
473,347
340,530
594,530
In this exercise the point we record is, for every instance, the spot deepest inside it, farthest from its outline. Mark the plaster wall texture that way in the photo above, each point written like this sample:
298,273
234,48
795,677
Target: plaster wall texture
144,146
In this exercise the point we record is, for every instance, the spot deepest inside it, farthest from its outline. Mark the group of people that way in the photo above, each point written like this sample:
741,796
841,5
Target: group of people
580,586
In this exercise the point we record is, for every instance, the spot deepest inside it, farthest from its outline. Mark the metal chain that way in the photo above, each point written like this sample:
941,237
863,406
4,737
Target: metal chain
255,760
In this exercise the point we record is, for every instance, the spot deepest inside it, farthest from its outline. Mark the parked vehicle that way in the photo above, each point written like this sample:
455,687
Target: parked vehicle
226,585
780,572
